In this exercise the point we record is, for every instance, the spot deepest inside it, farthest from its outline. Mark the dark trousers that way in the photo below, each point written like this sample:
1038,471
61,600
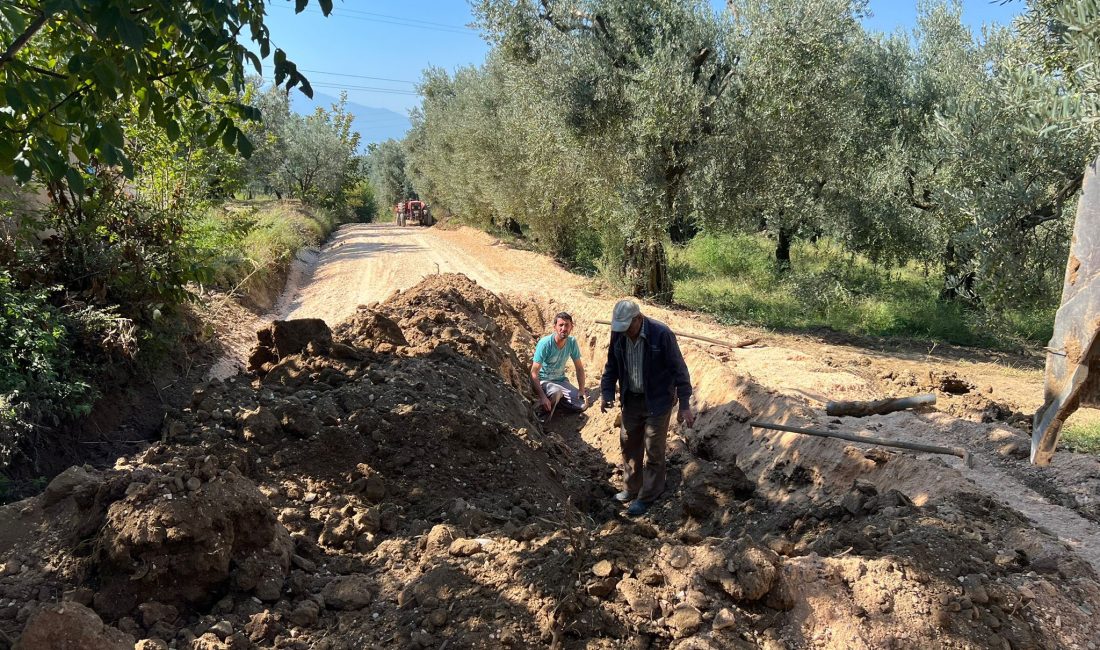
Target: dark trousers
642,438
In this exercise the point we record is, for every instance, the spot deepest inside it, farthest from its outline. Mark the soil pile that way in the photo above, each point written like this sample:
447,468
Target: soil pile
449,310
387,485
959,396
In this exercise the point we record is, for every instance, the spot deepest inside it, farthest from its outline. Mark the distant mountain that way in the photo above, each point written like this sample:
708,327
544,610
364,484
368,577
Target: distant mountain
373,124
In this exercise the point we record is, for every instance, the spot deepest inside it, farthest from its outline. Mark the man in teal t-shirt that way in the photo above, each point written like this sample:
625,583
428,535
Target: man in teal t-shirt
548,368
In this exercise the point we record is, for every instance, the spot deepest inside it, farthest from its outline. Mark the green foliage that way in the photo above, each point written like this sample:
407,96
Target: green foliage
111,249
67,67
1065,37
184,173
733,277
42,378
785,119
254,241
262,167
320,160
1081,437
361,200
311,158
587,119
385,165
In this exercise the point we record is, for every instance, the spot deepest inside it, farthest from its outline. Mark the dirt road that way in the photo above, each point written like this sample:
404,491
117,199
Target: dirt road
387,483
365,263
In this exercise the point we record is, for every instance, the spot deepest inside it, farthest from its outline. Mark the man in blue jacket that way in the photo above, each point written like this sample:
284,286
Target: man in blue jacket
645,361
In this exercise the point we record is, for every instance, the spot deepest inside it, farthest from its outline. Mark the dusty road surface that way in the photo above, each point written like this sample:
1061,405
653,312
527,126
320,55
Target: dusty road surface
365,263
384,482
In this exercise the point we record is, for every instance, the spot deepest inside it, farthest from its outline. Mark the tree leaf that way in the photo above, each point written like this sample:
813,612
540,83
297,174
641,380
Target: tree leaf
254,60
229,137
244,145
75,180
112,132
130,33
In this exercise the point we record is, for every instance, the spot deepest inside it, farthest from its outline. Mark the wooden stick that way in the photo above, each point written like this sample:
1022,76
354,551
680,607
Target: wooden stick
879,406
553,407
739,344
912,446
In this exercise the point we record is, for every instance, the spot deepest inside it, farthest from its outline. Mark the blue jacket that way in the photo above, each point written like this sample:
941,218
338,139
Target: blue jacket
664,372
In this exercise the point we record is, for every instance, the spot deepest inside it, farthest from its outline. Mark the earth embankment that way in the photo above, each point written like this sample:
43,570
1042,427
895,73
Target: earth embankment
381,481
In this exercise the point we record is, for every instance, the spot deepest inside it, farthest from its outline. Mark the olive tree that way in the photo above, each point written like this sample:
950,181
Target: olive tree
320,150
640,83
996,192
386,171
66,64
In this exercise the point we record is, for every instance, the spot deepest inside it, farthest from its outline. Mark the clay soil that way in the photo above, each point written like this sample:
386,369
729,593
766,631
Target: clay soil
378,478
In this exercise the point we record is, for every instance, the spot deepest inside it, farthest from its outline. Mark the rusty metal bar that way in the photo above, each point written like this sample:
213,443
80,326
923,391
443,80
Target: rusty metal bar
739,344
912,446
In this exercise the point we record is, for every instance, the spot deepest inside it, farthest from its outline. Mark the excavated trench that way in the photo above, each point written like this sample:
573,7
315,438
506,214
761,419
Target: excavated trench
386,484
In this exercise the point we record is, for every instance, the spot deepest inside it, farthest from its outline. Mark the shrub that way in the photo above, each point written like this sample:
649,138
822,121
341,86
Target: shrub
41,378
360,199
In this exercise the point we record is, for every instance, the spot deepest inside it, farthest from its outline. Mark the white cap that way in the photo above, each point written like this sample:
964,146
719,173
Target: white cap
624,312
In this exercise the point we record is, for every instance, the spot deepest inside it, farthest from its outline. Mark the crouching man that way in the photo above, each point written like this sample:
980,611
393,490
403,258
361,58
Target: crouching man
548,369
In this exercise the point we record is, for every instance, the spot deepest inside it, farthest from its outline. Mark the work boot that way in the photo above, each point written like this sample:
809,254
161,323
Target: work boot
637,509
624,496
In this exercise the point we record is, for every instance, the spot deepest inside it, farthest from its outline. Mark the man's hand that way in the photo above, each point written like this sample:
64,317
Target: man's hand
606,404
544,402
686,417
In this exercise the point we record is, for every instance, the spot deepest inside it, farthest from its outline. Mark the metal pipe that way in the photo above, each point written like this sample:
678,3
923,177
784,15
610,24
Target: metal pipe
912,446
739,344
879,407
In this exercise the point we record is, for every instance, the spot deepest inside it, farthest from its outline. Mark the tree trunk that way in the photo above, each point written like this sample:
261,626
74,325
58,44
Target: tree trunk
957,283
682,229
645,270
783,249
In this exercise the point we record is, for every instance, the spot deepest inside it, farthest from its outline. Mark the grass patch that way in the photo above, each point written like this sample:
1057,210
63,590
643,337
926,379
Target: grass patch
253,240
1081,432
734,278
1081,438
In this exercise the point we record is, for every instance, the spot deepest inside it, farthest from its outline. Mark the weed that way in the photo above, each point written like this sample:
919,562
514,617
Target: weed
734,278
1081,432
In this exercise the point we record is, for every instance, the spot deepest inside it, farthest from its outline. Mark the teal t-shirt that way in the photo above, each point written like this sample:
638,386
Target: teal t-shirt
553,358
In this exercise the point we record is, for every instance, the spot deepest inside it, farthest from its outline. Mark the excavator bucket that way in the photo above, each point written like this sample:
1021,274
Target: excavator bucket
1073,356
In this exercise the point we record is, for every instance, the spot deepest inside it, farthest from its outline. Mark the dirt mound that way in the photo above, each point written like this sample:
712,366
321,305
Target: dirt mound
359,495
959,396
450,309
71,625
284,338
181,533
371,329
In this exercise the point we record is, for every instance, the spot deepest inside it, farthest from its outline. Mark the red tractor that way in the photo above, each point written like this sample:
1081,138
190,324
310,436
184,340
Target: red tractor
413,210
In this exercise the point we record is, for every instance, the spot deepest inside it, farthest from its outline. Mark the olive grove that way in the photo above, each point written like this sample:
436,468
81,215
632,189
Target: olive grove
628,126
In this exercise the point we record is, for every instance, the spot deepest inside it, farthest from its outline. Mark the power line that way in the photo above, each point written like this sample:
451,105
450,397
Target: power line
402,22
411,20
372,89
359,76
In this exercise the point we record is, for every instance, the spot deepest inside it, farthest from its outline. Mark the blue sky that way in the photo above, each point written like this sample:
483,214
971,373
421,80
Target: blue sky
394,40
